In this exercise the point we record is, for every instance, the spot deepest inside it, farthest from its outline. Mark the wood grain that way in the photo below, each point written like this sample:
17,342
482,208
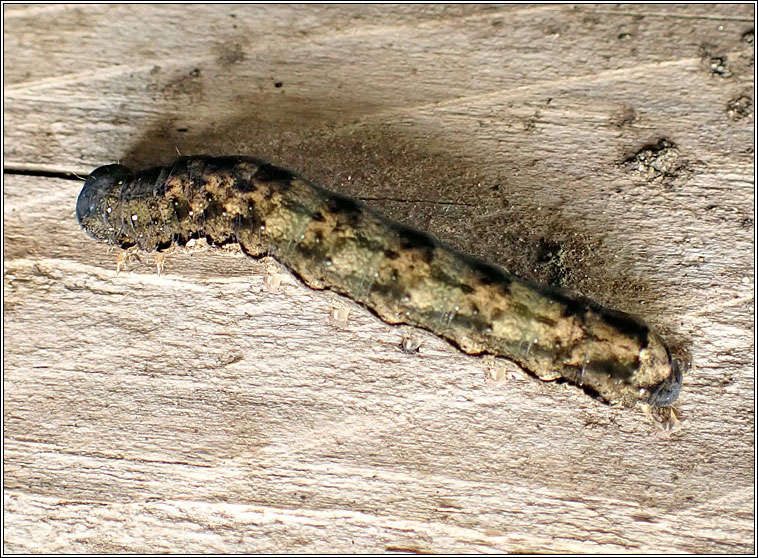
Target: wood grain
198,412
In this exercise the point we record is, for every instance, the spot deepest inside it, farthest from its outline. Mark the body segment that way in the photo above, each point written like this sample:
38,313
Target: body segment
405,276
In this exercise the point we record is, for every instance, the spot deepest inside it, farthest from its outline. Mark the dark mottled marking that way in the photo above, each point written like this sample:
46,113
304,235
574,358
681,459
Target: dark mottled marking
270,173
350,211
612,368
418,240
488,274
465,288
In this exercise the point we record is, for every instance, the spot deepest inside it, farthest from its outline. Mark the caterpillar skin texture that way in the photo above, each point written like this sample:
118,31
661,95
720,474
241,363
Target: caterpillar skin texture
404,275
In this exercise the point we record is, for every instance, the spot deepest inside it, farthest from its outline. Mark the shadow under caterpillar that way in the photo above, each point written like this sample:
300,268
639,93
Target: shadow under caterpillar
404,275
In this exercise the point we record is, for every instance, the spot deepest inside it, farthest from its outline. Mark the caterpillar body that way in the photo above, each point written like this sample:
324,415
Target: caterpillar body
335,242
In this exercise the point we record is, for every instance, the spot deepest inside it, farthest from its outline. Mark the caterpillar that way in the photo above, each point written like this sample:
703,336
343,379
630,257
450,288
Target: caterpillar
405,276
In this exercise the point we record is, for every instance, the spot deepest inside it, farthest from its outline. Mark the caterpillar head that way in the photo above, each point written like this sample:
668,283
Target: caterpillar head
99,201
665,393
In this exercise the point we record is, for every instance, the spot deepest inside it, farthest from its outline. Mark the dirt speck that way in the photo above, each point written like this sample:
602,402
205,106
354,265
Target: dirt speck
550,265
185,85
231,54
739,108
659,162
715,63
624,116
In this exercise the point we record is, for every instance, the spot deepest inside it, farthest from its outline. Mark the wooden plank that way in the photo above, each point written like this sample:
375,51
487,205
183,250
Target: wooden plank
198,412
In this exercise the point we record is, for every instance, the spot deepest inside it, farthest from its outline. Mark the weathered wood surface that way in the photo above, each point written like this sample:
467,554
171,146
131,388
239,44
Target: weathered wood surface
197,412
